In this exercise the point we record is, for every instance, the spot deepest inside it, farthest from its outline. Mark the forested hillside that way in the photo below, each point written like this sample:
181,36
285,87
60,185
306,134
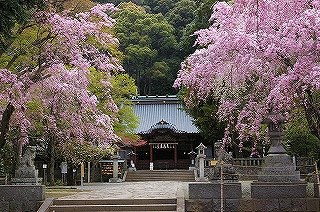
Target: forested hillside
156,36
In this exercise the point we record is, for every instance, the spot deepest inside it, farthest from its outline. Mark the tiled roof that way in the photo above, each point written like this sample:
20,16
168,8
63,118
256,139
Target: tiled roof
163,109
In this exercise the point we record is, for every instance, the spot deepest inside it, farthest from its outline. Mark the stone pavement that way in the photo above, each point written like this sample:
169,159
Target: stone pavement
140,190
131,190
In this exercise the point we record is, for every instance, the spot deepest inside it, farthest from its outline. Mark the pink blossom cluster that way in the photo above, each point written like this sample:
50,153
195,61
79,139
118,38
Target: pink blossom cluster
257,58
59,84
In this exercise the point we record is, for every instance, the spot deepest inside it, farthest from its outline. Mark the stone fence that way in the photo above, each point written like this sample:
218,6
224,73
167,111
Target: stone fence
248,168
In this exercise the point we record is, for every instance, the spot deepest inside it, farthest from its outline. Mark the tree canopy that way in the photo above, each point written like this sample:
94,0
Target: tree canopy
258,58
148,44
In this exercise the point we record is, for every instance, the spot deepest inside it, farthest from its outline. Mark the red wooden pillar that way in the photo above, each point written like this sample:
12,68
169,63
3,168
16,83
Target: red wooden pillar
151,153
151,157
135,155
175,156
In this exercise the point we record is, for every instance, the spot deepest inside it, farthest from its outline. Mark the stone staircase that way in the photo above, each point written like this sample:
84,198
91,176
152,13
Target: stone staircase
120,205
160,175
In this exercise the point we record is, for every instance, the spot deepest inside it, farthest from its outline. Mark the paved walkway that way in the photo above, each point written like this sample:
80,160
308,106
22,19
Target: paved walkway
140,190
131,190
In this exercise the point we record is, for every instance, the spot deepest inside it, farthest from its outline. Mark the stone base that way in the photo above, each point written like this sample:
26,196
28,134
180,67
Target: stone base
131,169
115,180
213,190
253,205
26,181
271,190
20,198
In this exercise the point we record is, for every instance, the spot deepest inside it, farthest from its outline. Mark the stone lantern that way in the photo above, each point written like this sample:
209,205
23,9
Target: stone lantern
201,156
115,158
192,155
278,177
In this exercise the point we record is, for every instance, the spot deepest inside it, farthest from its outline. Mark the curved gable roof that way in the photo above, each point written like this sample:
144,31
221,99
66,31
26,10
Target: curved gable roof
162,112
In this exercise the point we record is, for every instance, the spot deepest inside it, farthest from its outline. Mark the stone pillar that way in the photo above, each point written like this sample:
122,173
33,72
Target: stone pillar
200,157
115,158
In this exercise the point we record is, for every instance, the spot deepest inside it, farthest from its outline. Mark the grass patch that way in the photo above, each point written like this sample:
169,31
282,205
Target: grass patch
54,192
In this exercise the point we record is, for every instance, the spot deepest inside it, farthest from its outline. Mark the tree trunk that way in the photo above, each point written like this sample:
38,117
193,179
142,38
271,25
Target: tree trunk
5,121
312,111
51,155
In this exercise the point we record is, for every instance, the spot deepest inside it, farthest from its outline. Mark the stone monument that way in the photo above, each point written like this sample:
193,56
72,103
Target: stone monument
26,173
278,177
225,164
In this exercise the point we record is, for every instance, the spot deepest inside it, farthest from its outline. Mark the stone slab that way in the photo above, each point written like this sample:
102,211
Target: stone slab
260,190
316,190
313,204
115,180
21,193
213,190
197,205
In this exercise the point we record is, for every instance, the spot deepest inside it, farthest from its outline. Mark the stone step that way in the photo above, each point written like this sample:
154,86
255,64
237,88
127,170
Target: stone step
160,175
159,179
124,205
113,201
152,175
147,207
165,174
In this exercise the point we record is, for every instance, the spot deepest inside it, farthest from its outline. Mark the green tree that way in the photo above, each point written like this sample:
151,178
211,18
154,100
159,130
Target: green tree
201,21
146,40
123,89
299,138
14,12
182,14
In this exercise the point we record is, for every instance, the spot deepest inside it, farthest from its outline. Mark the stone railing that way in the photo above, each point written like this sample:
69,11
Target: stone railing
248,161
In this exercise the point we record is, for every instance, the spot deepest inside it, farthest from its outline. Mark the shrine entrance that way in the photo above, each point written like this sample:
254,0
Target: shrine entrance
163,155
166,148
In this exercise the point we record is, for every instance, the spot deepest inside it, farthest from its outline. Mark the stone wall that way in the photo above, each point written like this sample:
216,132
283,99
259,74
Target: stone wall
21,198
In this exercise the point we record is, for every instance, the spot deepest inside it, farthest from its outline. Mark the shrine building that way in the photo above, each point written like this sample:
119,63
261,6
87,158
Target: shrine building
168,131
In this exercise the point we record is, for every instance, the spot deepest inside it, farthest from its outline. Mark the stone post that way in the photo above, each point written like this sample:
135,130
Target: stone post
201,156
115,158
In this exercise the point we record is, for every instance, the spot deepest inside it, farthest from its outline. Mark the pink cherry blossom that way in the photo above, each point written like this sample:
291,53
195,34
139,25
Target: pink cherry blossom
59,83
257,57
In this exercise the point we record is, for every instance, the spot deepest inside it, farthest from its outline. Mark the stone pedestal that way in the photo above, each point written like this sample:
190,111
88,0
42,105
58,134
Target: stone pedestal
206,197
206,190
272,190
278,177
20,198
